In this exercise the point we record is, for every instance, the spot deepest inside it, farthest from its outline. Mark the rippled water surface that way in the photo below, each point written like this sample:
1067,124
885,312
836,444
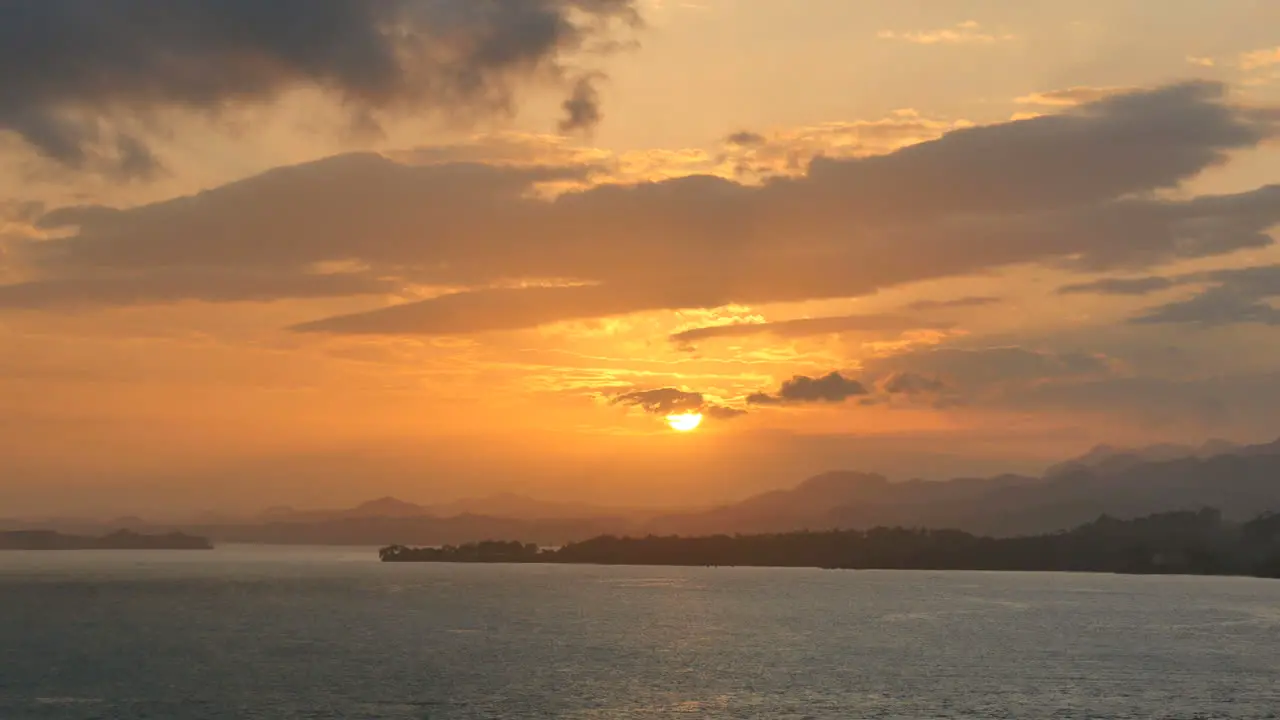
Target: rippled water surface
325,633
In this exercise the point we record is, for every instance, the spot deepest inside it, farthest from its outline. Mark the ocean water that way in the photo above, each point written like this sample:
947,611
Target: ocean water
331,633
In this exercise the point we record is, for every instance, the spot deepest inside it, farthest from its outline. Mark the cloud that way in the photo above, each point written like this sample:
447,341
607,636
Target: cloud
722,412
789,151
966,33
1119,286
909,383
808,326
662,401
971,369
802,389
1066,385
499,309
1075,190
1259,59
1218,405
582,107
1237,296
747,139
1070,97
964,302
914,389
673,401
1228,297
1215,306
182,286
84,80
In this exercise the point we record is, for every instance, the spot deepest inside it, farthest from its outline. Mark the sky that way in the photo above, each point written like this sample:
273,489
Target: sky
313,253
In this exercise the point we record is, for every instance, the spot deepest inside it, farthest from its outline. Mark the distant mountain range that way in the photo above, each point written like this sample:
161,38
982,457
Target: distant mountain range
1108,458
1241,480
503,505
1123,483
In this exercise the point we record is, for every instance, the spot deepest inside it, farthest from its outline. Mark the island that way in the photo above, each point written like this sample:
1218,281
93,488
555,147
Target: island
1187,543
120,540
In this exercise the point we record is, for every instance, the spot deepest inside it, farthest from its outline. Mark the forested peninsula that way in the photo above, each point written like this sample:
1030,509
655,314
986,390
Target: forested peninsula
1191,543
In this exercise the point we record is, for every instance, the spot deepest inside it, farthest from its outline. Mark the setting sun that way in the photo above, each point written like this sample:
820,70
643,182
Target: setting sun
684,422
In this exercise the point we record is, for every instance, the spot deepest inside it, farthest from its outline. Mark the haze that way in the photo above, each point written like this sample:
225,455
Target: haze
445,249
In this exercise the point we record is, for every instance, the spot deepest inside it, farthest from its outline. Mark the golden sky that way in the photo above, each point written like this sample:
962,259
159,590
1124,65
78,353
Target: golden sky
443,249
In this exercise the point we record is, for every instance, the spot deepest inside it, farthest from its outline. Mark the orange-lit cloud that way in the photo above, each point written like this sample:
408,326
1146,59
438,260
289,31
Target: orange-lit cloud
1070,97
969,32
1055,188
487,250
1259,59
807,326
673,401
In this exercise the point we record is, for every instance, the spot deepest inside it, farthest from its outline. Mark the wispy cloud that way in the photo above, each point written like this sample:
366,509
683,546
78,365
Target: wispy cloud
1259,59
969,32
803,327
964,302
1072,96
1229,297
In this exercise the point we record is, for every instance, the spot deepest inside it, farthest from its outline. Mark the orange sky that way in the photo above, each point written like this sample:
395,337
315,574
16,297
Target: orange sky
331,267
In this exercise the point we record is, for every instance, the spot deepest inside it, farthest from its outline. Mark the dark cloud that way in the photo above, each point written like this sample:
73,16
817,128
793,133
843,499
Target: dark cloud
1154,139
801,389
1229,297
200,285
582,107
1234,297
964,302
1033,381
662,401
80,76
1215,306
1230,405
967,369
1120,286
669,401
944,377
914,389
835,387
808,326
1072,96
746,139
1072,189
721,412
909,383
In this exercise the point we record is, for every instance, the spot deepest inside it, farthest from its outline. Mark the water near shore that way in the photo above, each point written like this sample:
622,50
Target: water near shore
330,633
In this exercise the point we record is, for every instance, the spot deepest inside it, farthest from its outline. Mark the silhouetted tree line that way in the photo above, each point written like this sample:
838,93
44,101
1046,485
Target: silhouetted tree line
1191,542
490,551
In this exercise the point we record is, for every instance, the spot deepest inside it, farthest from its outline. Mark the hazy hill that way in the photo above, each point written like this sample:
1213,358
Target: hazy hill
512,505
1108,458
416,530
1122,483
1242,484
503,505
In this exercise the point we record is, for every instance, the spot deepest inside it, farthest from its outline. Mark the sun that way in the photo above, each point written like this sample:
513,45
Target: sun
685,422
